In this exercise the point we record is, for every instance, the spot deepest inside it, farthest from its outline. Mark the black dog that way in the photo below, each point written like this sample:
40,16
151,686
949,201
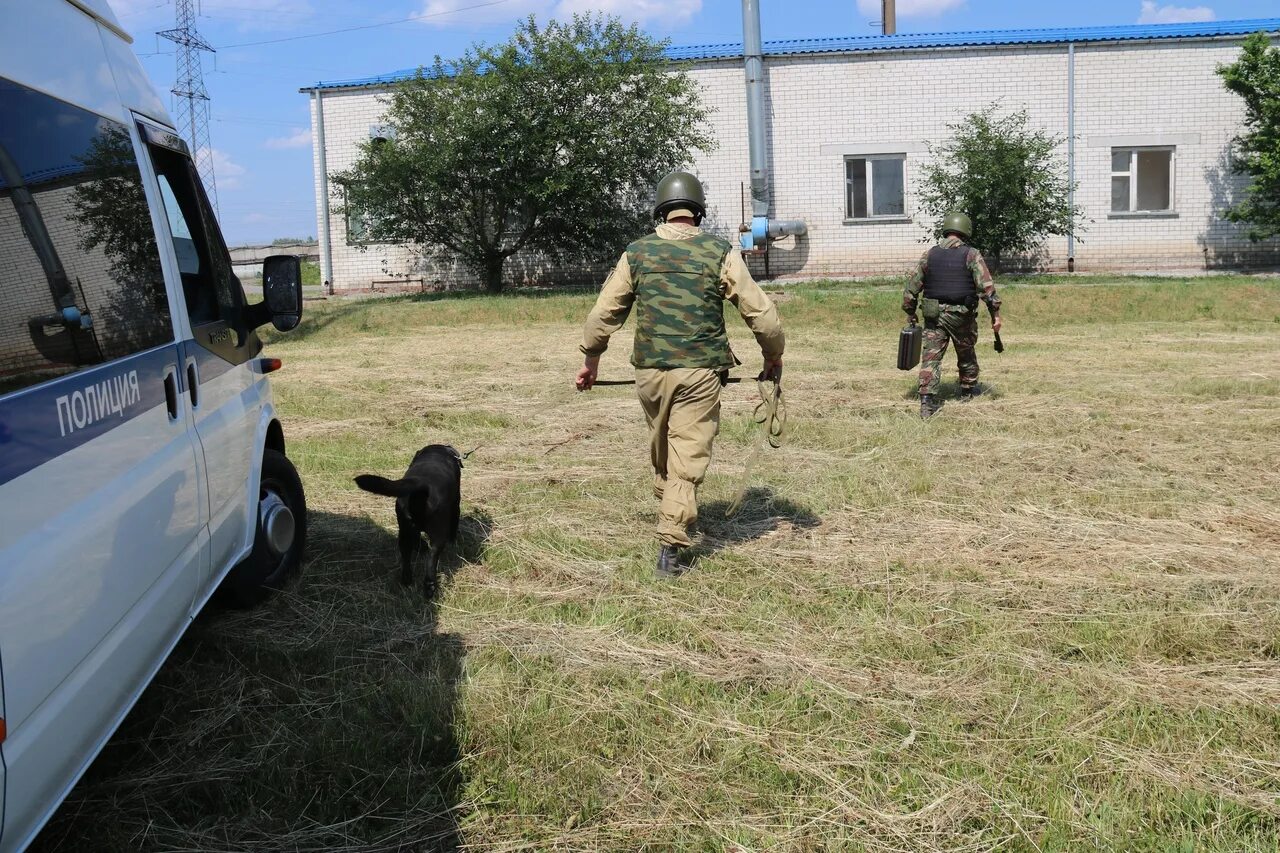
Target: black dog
428,500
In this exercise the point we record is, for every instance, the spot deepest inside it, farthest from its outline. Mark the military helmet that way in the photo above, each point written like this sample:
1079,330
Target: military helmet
680,189
957,222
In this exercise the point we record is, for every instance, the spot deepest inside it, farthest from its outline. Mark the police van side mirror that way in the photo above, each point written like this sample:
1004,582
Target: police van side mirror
282,291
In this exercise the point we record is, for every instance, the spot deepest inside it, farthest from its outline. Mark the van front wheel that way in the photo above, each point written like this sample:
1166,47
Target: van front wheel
280,538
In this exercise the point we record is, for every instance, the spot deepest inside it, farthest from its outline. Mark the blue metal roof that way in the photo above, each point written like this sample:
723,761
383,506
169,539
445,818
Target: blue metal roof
916,41
982,38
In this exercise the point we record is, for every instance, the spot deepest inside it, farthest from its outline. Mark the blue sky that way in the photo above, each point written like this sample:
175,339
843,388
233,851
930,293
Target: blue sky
261,126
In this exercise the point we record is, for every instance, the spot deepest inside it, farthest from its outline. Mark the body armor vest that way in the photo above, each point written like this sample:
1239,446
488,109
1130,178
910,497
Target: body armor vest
947,277
679,303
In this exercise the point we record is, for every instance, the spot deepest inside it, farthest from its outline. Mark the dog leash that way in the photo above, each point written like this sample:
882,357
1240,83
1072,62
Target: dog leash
771,414
463,457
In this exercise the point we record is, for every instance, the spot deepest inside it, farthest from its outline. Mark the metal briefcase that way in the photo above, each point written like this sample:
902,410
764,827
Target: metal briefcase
909,342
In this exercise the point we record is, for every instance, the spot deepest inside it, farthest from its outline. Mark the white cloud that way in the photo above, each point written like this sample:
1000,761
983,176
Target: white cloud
300,138
662,13
226,172
1153,14
448,13
910,8
665,13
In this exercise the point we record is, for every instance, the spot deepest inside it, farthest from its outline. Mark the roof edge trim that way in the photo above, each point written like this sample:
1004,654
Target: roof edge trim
919,41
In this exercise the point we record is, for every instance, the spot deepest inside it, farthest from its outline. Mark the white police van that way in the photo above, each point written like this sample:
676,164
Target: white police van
142,464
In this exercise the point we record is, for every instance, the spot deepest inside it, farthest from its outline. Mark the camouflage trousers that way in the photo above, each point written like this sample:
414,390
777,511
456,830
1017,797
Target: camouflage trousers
956,323
682,407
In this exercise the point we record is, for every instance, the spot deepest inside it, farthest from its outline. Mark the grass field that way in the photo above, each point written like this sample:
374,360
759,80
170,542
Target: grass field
1044,620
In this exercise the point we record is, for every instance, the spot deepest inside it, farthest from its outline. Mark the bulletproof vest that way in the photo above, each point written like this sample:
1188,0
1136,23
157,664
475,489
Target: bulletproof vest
947,278
679,305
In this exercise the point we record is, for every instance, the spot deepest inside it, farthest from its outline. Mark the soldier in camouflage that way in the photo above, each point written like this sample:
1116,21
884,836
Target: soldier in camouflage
953,277
677,278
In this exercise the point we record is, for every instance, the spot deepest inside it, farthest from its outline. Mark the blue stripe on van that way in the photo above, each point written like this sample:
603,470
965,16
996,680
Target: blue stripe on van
43,422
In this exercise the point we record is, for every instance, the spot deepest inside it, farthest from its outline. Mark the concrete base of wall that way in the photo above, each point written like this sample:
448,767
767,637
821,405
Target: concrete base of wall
400,272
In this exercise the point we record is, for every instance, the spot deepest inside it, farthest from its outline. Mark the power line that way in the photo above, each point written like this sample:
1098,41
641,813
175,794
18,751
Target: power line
293,13
367,26
264,121
243,60
249,62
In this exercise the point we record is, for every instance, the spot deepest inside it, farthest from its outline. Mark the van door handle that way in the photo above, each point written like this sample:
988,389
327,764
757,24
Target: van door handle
193,383
171,394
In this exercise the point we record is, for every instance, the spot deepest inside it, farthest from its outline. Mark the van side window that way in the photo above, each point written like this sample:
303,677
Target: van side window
80,278
213,292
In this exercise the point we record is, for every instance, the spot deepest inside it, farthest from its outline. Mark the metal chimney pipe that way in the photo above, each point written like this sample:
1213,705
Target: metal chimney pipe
761,229
753,55
888,17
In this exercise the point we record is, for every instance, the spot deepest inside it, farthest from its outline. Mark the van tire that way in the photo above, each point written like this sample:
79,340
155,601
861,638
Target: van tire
263,572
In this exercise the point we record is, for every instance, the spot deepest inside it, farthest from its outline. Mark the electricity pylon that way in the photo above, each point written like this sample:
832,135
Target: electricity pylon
191,101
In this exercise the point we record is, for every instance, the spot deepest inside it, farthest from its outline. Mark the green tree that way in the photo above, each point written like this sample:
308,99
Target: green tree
1255,77
550,142
1009,179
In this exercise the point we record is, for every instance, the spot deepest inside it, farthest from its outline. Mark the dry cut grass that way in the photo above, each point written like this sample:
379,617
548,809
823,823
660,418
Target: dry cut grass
1045,620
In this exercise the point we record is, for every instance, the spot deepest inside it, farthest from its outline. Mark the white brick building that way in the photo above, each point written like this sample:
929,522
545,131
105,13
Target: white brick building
849,121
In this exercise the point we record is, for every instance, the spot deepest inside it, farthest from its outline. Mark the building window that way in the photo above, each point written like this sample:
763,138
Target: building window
362,227
1141,180
874,186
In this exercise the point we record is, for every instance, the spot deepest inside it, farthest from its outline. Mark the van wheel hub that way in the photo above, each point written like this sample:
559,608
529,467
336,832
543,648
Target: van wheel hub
276,522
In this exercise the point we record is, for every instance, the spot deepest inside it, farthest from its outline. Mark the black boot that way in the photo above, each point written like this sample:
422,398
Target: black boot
668,562
929,405
969,392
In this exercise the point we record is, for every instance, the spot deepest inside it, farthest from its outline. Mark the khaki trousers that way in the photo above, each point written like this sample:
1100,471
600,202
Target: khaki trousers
682,407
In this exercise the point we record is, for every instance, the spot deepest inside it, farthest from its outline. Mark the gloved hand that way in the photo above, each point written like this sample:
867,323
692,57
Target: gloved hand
772,369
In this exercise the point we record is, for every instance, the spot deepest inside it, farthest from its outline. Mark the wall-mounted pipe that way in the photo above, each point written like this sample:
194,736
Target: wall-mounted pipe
779,228
761,230
326,251
1071,155
753,56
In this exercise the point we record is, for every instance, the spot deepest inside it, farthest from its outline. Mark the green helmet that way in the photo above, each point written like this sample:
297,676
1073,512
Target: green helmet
957,222
680,189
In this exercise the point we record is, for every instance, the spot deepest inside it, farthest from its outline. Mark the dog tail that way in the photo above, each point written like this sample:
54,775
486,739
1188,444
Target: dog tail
390,488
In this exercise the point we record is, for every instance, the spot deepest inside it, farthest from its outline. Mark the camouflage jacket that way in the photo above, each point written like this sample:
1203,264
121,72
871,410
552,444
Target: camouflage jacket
983,284
734,284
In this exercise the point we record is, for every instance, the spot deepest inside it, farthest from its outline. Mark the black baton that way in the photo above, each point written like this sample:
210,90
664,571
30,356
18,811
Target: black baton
732,380
999,343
